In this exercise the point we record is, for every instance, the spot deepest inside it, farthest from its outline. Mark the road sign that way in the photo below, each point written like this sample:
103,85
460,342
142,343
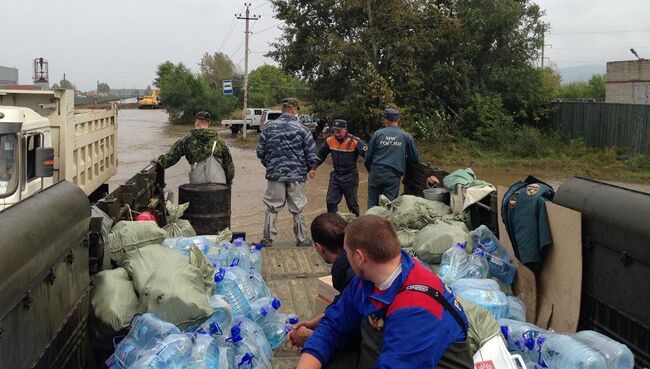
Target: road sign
227,87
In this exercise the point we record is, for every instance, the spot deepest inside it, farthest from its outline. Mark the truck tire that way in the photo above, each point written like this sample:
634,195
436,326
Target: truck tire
235,129
258,129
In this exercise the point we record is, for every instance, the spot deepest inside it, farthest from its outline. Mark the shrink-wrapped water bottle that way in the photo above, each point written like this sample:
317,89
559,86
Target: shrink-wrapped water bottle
248,353
252,328
516,309
483,238
500,268
259,286
453,264
473,283
229,289
256,257
560,351
173,352
145,331
522,338
616,354
243,279
205,352
495,302
477,265
240,254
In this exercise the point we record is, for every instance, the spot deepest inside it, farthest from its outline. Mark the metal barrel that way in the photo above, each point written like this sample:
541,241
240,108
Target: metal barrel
209,210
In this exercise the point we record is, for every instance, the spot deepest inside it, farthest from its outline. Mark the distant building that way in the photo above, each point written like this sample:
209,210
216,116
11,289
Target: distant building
628,82
8,76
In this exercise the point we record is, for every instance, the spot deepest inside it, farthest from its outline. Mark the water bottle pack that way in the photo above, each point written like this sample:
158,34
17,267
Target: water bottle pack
498,257
185,244
495,302
454,263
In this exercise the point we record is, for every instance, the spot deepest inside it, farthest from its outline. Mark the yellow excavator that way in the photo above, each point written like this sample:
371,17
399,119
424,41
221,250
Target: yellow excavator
150,101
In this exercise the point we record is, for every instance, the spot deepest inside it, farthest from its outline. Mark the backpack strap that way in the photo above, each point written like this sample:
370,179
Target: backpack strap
440,298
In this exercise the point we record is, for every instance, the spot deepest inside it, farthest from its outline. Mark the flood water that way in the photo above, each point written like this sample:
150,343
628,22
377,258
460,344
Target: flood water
143,135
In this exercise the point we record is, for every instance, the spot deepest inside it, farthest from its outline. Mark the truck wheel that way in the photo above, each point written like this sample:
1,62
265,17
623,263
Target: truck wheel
234,130
258,129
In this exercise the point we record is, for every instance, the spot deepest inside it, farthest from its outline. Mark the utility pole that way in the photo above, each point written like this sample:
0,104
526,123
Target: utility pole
544,44
247,33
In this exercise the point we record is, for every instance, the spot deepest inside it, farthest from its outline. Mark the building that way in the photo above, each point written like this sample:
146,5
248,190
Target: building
628,82
8,76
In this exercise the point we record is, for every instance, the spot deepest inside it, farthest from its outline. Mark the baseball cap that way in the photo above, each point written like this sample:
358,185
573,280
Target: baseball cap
391,115
203,115
340,124
290,101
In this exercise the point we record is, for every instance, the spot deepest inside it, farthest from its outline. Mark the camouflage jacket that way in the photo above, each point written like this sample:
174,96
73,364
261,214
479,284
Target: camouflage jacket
196,147
287,150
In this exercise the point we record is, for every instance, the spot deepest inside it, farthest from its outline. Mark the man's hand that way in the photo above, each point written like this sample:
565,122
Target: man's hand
433,181
312,174
299,335
310,324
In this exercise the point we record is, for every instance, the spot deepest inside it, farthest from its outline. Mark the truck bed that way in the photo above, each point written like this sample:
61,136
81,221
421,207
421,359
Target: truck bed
292,275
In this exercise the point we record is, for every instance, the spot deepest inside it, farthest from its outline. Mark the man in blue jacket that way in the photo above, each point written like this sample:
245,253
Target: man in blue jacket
406,316
389,151
287,151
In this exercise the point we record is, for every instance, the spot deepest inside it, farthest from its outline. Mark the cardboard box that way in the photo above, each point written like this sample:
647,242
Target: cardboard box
320,305
325,288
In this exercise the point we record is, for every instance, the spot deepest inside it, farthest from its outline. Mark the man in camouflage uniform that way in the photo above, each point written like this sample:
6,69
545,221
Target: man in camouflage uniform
287,151
197,146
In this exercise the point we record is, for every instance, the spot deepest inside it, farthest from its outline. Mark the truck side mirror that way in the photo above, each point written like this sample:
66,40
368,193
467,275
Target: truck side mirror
44,162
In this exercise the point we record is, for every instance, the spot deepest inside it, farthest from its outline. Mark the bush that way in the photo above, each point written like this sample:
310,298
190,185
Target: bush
530,142
437,127
486,121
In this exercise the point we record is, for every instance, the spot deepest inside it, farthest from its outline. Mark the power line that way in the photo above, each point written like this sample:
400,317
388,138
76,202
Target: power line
263,3
596,32
228,34
268,28
599,48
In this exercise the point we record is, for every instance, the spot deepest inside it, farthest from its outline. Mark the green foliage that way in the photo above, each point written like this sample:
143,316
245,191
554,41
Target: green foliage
436,127
103,87
268,85
416,55
592,89
184,94
64,83
486,121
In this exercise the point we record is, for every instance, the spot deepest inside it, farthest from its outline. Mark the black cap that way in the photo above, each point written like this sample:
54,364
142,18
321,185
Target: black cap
203,115
340,124
391,115
292,102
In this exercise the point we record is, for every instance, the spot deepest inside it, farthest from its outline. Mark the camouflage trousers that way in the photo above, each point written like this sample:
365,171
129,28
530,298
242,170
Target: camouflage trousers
276,196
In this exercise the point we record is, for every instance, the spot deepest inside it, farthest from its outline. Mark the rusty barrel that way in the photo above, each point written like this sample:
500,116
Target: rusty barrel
209,211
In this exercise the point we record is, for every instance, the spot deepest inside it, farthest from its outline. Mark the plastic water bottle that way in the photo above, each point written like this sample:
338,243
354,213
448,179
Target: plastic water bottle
205,352
263,307
616,354
563,352
473,283
477,265
184,244
226,357
252,328
173,352
522,338
240,255
243,279
495,302
277,327
259,286
256,257
483,238
453,264
145,331
231,292
500,268
222,310
516,309
214,325
248,354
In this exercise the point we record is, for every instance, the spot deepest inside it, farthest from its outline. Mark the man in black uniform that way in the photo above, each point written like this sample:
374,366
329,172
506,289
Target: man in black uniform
344,179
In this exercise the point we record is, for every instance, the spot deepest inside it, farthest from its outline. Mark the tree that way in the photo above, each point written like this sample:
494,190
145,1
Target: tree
64,83
103,88
268,85
419,55
217,67
184,93
592,89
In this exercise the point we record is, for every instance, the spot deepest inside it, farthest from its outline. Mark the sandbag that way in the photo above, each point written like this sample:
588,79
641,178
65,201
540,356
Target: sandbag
347,217
223,236
176,292
141,263
406,236
415,212
176,227
128,236
433,240
197,258
481,325
380,211
114,302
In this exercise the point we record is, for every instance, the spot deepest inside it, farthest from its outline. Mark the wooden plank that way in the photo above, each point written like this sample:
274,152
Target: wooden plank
289,262
302,260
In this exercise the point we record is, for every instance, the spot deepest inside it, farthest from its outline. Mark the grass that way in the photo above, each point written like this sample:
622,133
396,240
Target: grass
568,158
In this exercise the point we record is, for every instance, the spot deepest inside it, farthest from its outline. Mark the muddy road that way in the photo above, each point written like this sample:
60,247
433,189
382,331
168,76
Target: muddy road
143,135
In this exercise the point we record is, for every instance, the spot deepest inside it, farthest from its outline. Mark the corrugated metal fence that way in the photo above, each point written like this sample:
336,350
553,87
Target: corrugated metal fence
626,126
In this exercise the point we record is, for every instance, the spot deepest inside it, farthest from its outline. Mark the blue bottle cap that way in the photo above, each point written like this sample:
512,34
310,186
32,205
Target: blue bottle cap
239,242
505,331
276,303
293,319
247,359
264,310
214,329
221,274
478,252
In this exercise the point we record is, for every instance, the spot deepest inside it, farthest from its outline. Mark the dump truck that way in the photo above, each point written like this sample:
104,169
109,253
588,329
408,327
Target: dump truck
44,141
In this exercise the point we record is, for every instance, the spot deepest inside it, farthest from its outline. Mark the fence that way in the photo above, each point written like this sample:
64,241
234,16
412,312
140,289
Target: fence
626,126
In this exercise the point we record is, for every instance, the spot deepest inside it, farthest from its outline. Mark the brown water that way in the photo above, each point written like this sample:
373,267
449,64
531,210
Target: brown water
143,135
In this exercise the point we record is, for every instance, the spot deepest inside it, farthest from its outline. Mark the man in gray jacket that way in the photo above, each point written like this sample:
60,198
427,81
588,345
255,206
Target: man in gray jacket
287,151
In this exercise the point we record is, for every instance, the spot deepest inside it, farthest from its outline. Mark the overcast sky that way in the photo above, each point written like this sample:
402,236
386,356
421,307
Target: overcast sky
121,42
